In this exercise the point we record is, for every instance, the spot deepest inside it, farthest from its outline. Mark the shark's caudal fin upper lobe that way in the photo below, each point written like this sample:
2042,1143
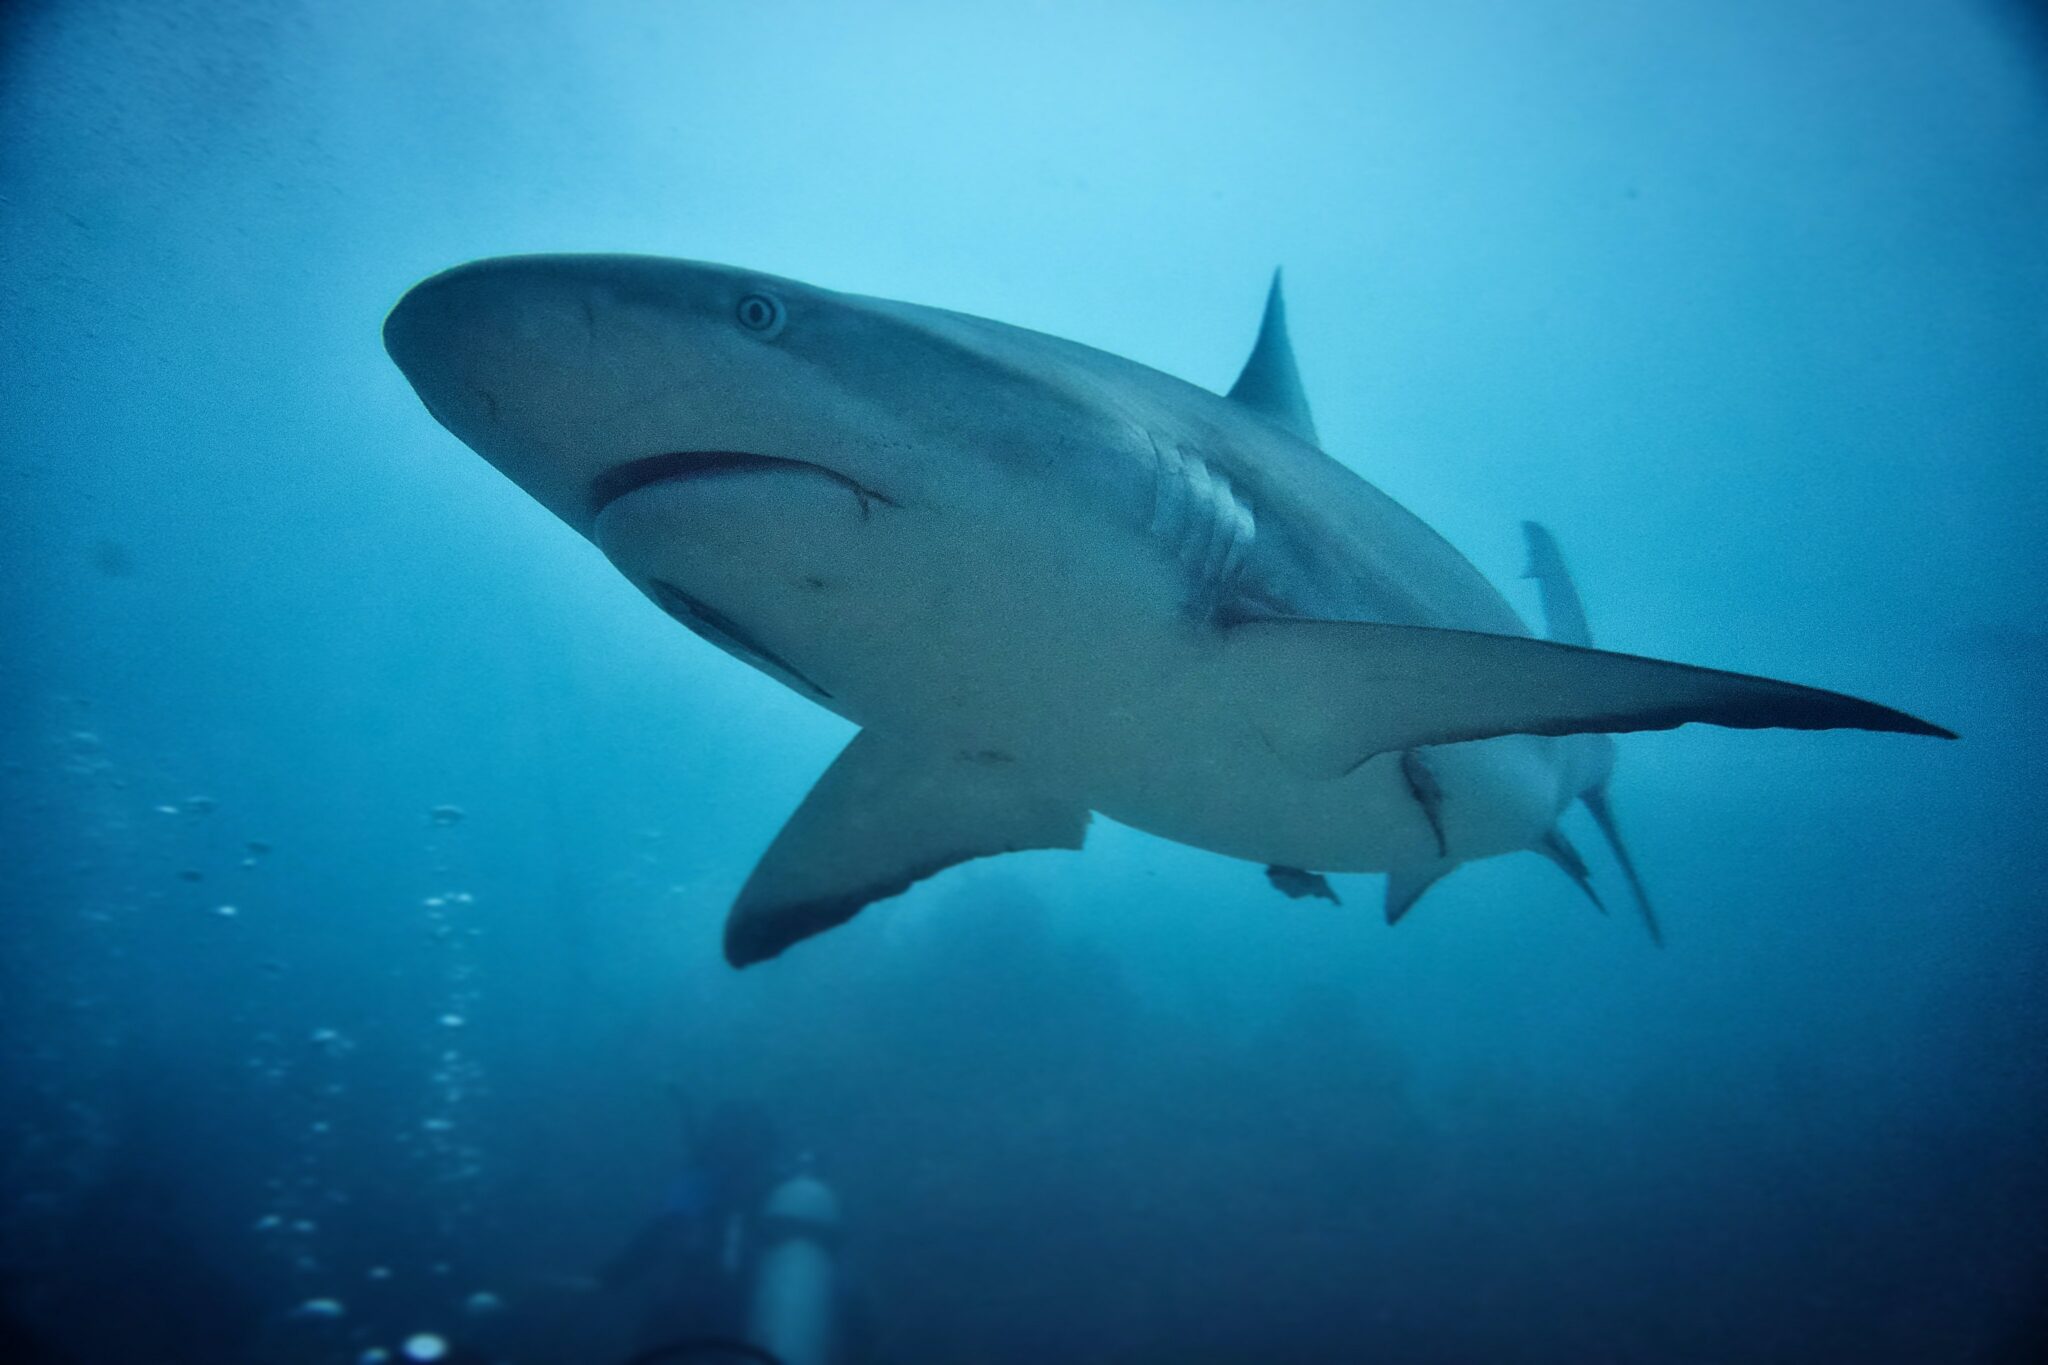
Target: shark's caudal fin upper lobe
885,815
1564,618
1564,615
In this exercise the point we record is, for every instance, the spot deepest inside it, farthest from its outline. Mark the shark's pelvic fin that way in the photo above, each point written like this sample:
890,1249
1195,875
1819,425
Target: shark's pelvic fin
1270,384
1559,850
884,815
1564,615
1603,816
1405,886
1428,794
1328,695
1296,884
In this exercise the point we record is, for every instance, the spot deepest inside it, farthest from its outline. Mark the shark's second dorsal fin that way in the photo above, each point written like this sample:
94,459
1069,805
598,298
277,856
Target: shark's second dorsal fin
1564,615
1269,384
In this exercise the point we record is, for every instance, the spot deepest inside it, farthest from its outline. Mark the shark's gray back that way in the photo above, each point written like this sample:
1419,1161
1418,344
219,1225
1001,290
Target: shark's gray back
1324,542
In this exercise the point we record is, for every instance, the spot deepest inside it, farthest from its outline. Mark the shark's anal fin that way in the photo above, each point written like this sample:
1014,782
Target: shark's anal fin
1270,384
1559,850
1328,695
887,814
1603,816
1564,615
1405,886
1297,884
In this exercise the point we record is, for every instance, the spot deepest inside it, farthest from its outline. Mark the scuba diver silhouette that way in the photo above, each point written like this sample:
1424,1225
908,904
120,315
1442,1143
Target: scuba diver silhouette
695,1255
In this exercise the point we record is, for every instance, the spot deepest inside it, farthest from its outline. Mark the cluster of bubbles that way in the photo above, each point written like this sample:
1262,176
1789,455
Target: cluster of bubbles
61,1016
445,1139
134,868
457,1077
309,1070
439,1137
330,1316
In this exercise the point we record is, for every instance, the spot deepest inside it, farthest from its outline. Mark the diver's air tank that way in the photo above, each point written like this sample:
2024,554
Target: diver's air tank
794,1315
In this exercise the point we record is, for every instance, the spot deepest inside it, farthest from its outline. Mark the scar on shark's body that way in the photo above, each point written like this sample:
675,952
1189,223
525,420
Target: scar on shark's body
1060,583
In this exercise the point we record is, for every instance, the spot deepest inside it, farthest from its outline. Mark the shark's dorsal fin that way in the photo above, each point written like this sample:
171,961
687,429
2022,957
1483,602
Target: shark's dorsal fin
885,815
1269,384
1325,696
1564,615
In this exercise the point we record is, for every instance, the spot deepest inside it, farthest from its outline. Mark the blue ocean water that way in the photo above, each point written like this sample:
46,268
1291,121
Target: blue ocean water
368,837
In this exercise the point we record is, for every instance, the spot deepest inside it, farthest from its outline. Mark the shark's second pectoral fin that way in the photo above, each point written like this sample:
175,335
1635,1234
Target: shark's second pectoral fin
1328,695
887,814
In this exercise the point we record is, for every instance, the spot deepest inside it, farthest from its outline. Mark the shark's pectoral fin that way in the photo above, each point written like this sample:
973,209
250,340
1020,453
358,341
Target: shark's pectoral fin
1328,695
1405,885
1297,884
887,814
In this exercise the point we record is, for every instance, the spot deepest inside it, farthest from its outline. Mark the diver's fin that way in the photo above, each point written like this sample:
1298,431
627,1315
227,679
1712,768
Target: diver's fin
1270,384
885,815
1296,884
1328,695
1559,850
1564,615
1603,816
1405,886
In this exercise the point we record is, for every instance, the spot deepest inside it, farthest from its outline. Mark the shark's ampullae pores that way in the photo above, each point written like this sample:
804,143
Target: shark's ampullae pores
1044,581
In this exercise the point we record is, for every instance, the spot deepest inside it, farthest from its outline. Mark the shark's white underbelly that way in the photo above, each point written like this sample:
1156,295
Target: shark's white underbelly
1066,660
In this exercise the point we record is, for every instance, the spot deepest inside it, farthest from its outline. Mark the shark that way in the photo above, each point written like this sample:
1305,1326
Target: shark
1047,582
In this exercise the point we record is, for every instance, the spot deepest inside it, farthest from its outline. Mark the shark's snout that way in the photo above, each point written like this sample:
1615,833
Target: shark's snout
511,356
433,315
464,336
432,335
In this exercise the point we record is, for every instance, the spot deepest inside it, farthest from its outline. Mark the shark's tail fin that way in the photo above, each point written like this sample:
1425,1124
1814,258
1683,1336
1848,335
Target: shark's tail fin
1603,816
1564,619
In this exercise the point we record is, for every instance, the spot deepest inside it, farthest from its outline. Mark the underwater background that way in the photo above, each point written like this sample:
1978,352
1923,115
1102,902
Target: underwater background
367,837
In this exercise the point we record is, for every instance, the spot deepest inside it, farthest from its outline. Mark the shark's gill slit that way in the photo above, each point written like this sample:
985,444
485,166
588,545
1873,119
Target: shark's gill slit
634,475
711,624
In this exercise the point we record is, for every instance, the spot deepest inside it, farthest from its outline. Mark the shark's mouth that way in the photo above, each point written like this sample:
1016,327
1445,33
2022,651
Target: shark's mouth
634,475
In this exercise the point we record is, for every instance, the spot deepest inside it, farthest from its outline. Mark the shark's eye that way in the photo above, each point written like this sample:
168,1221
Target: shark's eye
760,313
